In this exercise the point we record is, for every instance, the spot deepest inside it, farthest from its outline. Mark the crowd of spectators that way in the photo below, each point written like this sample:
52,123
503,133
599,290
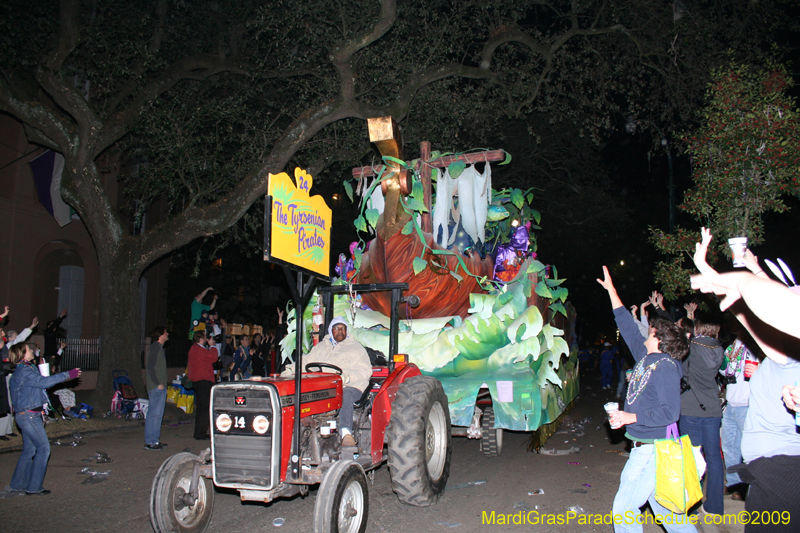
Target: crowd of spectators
733,389
217,354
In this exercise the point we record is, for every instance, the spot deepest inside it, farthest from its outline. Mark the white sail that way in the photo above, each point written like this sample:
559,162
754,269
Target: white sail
441,209
482,197
466,201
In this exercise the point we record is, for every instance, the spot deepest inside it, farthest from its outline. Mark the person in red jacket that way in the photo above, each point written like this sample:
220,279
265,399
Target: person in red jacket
201,373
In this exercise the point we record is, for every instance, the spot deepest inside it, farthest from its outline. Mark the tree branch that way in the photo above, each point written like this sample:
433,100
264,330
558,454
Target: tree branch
70,99
399,108
216,217
37,136
343,53
68,34
154,48
55,129
198,67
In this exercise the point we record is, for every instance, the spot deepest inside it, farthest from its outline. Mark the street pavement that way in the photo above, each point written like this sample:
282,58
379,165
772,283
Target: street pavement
477,486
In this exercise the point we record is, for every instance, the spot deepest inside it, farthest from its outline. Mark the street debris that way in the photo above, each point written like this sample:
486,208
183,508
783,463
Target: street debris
573,463
95,476
102,457
69,442
577,509
521,506
537,492
468,484
447,524
552,451
278,522
578,491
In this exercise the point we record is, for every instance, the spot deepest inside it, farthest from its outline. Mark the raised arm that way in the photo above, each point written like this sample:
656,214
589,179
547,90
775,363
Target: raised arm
202,295
691,308
608,284
769,300
775,344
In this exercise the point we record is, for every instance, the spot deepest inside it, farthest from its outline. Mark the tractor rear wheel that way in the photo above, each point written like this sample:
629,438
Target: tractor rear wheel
491,437
419,441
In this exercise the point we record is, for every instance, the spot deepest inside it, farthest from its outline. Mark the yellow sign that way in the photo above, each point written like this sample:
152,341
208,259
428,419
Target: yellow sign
300,224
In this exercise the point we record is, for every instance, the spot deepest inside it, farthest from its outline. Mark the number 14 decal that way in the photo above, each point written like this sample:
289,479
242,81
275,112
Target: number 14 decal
238,422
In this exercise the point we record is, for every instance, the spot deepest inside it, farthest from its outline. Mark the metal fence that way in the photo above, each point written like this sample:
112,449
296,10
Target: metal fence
81,353
85,353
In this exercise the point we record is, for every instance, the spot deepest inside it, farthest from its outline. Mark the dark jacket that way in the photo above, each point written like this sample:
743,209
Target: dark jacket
156,367
700,368
51,338
657,404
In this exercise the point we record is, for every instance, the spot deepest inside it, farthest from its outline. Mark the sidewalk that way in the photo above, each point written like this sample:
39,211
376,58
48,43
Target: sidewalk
63,430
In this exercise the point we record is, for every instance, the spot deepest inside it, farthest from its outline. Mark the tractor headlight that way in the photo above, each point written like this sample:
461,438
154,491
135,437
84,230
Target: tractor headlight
260,424
223,422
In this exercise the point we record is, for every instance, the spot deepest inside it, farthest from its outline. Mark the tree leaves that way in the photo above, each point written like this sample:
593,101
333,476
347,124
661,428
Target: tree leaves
419,264
535,266
360,224
517,198
455,169
372,217
543,290
416,205
348,188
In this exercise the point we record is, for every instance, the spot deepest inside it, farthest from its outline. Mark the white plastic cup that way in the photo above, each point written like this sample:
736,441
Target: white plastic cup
738,246
611,407
44,369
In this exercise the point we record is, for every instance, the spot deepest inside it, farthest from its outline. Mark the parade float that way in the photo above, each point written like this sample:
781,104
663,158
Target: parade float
493,325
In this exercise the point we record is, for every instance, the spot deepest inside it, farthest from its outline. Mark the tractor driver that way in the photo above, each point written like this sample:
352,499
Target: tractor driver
342,350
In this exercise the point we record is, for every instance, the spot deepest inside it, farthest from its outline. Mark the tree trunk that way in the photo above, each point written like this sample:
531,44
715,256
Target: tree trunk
120,327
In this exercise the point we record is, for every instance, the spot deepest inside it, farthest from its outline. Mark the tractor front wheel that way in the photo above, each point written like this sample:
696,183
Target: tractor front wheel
419,441
171,509
343,500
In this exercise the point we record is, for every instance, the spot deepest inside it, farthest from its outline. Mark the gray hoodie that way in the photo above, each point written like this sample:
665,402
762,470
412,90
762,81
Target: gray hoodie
700,369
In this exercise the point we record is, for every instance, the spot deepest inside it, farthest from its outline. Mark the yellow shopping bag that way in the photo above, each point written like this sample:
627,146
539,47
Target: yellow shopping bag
172,394
186,402
677,480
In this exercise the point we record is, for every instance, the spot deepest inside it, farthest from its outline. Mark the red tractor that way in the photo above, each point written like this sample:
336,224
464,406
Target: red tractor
260,448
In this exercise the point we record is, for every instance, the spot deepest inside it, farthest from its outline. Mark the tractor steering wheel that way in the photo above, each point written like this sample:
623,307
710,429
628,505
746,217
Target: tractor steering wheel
320,366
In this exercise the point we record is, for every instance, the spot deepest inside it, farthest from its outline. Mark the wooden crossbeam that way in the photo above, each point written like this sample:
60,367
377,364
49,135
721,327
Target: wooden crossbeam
383,131
441,162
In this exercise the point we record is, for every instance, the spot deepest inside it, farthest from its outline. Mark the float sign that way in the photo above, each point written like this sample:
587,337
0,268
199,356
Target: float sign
297,228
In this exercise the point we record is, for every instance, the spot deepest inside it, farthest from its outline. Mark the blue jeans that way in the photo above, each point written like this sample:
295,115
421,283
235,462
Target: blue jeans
732,428
350,395
606,374
32,463
155,414
637,486
704,432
